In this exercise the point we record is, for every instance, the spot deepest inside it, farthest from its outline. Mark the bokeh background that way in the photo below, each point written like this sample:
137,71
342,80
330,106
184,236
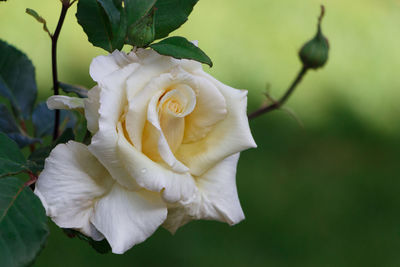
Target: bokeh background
322,192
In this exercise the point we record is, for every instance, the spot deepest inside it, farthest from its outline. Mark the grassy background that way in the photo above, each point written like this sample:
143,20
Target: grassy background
326,194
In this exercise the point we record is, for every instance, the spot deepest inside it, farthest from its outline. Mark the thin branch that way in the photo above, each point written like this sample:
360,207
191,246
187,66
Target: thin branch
54,38
283,99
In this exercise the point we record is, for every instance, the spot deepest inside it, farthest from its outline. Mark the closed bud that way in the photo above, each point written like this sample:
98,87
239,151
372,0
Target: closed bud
314,54
142,33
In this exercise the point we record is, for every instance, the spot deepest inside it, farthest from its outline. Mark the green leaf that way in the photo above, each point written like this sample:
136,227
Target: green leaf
137,9
116,17
11,159
23,224
179,47
101,247
171,14
7,121
9,127
17,80
101,21
80,91
43,120
40,19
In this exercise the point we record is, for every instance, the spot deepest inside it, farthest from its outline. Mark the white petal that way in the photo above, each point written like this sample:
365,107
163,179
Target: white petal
127,218
230,136
162,143
139,101
64,102
220,199
178,216
92,105
104,142
69,185
210,109
153,176
217,198
148,81
102,66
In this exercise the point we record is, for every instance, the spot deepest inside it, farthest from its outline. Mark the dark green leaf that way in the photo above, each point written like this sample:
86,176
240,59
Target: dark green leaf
116,17
137,9
171,14
7,121
23,224
102,246
17,80
80,91
11,158
66,136
37,158
43,120
9,127
179,47
23,140
101,22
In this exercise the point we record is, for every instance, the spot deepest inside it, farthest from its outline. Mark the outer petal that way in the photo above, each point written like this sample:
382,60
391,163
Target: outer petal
153,176
127,218
220,199
217,198
231,135
104,142
64,102
102,66
69,185
92,106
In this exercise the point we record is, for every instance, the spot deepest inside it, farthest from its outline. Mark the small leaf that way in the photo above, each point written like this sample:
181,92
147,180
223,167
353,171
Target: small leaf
101,247
17,80
40,19
171,14
9,127
11,158
101,21
80,91
23,224
179,47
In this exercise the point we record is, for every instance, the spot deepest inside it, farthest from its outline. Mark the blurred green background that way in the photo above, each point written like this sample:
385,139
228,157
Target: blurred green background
326,194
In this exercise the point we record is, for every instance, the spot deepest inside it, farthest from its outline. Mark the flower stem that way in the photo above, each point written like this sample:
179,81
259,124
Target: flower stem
280,102
54,38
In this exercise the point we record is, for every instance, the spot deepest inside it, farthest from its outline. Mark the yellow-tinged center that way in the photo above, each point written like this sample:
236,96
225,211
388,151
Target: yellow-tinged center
173,105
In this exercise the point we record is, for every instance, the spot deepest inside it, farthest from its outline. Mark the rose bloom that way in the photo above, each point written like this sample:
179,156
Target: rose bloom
166,142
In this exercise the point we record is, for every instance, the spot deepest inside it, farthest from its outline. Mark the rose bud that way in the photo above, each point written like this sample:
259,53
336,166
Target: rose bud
142,33
314,53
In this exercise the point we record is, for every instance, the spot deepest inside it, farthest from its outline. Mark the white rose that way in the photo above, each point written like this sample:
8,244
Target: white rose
166,141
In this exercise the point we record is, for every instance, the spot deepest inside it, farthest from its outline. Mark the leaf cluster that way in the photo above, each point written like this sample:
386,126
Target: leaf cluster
25,134
110,24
